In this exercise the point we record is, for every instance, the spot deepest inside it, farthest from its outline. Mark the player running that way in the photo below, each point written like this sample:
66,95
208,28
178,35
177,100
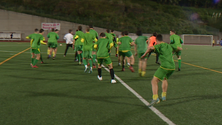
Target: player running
69,41
78,44
152,42
166,68
177,41
103,45
114,41
52,42
140,48
125,44
95,34
36,31
37,40
88,40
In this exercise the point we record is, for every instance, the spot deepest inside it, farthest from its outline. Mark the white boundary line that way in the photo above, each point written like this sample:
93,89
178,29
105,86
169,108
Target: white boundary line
157,112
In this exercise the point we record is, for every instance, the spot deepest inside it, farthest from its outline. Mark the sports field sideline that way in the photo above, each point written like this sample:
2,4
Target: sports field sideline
60,93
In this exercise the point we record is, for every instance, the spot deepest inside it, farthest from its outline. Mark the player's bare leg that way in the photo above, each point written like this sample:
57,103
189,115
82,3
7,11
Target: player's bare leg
94,59
143,67
131,63
154,83
164,89
79,56
54,51
50,53
123,59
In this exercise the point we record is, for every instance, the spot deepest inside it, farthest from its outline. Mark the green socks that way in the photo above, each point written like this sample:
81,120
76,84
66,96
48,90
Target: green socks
35,62
90,63
94,59
84,62
179,63
79,57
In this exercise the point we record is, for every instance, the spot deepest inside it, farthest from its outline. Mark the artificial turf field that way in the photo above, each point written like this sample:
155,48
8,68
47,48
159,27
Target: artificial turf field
60,93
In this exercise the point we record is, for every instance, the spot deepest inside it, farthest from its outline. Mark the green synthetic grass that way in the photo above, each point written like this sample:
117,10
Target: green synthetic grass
60,93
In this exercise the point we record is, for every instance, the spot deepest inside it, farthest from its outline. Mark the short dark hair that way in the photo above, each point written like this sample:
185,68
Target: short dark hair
41,30
122,33
90,26
80,28
70,30
87,29
102,34
173,30
112,30
107,30
139,33
53,29
155,34
56,30
36,30
159,37
126,32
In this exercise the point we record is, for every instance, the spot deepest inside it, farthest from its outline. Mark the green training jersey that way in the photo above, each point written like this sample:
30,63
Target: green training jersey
176,40
141,44
88,42
79,35
94,33
165,55
109,36
36,41
103,47
53,37
125,43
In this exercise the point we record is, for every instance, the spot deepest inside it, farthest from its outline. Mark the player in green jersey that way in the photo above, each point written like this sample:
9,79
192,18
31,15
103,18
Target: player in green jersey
140,48
125,44
103,45
36,31
37,40
114,41
176,41
95,34
87,40
78,44
52,42
166,68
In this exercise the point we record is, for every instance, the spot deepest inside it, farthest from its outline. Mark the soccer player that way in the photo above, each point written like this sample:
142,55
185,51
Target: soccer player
213,42
95,34
177,41
103,45
109,36
114,41
36,31
152,42
69,41
52,42
140,48
37,39
87,40
166,68
125,44
78,44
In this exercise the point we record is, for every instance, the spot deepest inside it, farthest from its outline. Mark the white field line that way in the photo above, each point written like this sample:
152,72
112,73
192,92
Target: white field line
157,112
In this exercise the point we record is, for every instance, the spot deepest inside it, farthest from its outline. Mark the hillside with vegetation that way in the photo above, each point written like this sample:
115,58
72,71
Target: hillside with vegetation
191,17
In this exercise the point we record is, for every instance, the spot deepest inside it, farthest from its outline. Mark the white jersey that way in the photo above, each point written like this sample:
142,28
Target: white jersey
69,38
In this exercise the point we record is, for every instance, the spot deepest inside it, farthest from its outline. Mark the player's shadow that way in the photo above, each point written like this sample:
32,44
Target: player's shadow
183,100
106,99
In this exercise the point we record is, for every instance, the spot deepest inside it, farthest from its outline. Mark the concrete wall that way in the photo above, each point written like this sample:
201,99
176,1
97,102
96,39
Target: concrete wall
25,23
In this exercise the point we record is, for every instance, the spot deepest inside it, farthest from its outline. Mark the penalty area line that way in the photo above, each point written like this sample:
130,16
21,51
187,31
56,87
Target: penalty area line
156,111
